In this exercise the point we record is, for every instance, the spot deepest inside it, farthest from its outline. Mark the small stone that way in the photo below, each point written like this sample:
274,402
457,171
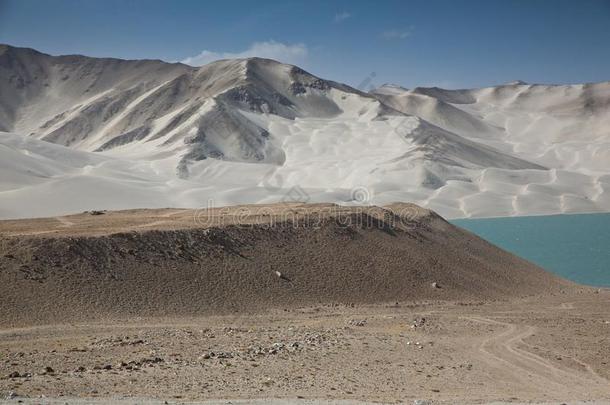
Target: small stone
14,374
418,322
49,370
357,322
435,285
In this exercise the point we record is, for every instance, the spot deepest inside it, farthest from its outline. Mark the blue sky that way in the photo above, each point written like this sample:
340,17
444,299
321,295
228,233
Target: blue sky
440,42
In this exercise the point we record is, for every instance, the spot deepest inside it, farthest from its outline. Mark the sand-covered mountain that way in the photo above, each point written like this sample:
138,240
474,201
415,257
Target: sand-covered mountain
565,128
95,104
82,133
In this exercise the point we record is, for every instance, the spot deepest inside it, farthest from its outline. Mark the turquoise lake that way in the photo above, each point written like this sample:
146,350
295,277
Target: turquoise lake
576,247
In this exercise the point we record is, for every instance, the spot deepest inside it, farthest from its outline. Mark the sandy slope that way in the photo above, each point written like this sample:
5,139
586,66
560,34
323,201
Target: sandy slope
257,131
563,128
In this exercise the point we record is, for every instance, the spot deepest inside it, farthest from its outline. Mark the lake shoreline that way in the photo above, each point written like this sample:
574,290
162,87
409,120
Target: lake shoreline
573,246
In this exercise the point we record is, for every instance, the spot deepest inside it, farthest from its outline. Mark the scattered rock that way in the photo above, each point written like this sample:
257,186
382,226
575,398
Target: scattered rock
357,322
435,285
282,276
217,355
48,370
96,212
268,382
418,322
14,374
11,395
137,364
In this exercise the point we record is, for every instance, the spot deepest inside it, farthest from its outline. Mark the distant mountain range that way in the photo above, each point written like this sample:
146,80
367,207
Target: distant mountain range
84,133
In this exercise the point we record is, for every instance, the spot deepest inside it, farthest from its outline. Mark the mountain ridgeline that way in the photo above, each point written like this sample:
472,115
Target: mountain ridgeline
506,150
97,104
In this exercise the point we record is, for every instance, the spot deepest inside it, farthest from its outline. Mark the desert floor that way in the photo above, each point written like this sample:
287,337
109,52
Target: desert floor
555,348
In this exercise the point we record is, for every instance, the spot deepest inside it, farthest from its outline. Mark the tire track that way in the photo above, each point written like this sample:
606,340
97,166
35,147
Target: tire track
503,353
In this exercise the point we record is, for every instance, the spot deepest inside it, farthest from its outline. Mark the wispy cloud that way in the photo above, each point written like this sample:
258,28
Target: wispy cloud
287,53
397,34
340,17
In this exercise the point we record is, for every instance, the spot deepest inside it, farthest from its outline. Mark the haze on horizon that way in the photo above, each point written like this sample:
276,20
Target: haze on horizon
415,43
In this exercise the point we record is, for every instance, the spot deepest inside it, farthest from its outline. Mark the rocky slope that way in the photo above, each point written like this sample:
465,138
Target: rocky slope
247,259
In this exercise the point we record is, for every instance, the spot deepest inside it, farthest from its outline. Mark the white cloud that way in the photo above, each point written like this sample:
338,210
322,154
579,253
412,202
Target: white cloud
340,17
286,53
397,34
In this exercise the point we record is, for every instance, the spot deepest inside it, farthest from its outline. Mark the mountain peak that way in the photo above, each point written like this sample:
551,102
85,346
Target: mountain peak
516,83
389,89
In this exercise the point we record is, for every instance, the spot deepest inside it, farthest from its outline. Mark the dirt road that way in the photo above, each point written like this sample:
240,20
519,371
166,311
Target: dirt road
458,352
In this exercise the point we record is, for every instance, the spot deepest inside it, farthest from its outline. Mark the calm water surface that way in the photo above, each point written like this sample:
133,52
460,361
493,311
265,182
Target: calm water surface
576,247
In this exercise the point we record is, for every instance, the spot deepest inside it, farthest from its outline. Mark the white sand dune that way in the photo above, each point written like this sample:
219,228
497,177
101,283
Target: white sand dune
85,133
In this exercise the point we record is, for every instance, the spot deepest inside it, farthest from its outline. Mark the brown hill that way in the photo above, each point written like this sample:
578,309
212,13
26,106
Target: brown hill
247,259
